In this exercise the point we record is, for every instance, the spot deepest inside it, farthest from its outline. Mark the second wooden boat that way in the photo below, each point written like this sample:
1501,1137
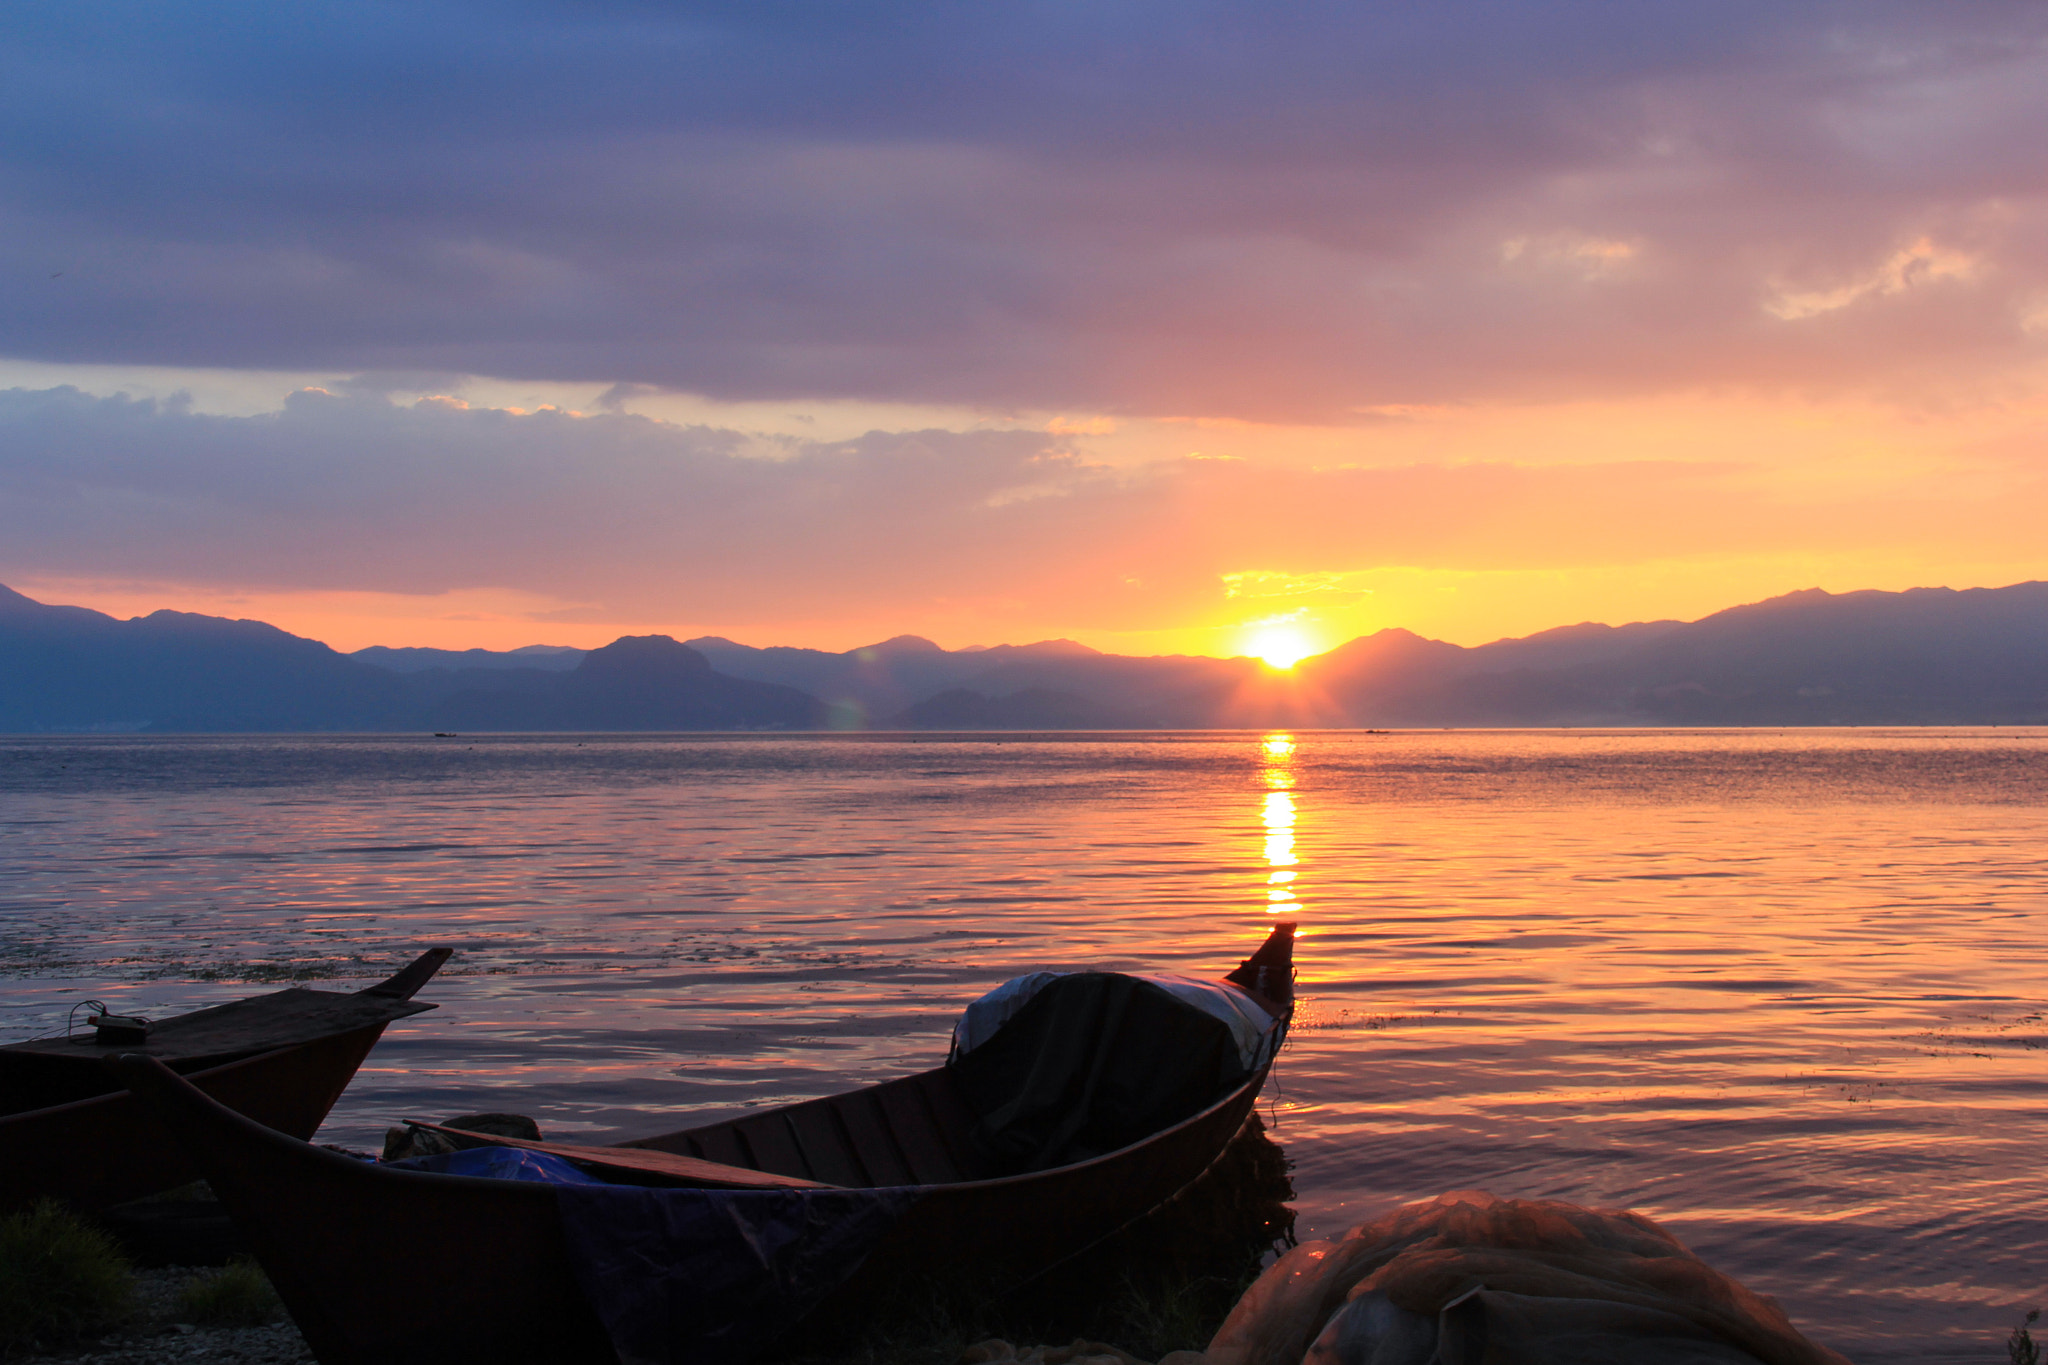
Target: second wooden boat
69,1131
379,1264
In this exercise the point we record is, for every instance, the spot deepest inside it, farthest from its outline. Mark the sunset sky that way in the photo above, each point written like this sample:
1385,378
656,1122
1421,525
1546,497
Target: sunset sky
1137,323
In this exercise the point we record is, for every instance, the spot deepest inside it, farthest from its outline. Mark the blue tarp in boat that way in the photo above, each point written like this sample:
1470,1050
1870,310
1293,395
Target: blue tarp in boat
695,1277
500,1163
708,1277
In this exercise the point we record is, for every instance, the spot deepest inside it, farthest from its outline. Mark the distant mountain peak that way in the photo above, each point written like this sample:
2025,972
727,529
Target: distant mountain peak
642,654
1391,640
900,644
10,600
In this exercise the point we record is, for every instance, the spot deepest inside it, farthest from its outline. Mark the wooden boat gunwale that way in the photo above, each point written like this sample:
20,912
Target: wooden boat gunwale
592,1155
1251,1083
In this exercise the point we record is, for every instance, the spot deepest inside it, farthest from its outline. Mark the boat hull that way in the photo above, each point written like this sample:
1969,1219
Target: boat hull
1023,1225
84,1140
97,1152
378,1265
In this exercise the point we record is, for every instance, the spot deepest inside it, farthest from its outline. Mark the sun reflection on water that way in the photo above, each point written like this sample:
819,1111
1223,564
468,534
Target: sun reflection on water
1279,817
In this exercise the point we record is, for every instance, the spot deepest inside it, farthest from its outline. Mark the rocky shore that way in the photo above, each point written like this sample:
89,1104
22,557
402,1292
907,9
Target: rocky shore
156,1337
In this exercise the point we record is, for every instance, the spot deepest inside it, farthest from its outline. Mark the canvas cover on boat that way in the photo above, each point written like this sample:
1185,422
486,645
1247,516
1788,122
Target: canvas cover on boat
1062,1067
1251,1026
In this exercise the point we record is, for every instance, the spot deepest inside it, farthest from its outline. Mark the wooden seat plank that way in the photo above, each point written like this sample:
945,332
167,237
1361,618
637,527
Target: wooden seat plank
640,1161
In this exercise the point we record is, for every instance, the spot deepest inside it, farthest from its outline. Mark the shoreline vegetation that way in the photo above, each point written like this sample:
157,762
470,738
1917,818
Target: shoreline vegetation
69,1291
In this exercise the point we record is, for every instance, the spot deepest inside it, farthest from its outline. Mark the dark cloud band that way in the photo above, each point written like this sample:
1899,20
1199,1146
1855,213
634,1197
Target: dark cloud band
1220,208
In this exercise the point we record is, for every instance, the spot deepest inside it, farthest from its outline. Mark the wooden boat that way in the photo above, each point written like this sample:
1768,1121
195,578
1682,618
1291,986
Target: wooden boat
378,1264
70,1131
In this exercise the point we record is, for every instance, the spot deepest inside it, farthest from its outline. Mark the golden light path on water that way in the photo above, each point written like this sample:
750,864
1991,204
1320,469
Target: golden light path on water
1279,814
1780,990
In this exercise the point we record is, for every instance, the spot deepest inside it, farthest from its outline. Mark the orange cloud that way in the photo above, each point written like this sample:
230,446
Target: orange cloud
359,519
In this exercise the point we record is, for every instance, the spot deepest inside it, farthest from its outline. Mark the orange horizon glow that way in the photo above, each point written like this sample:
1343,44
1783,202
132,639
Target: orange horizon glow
1458,607
1462,525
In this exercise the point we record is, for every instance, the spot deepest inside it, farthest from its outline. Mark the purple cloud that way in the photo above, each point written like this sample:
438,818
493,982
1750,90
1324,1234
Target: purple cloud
1218,208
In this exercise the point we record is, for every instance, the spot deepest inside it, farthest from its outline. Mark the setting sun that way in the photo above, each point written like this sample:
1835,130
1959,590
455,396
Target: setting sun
1279,646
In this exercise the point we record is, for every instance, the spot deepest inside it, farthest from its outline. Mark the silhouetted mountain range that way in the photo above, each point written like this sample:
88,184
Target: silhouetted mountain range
637,682
1927,656
67,669
553,658
873,684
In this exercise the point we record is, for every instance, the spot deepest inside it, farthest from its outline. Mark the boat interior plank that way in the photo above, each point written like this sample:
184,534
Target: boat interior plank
827,1149
869,1132
774,1147
952,1117
723,1144
911,1124
716,1142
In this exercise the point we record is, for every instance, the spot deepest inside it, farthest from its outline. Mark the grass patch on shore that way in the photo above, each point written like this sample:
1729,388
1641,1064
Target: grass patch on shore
236,1295
1153,1320
61,1280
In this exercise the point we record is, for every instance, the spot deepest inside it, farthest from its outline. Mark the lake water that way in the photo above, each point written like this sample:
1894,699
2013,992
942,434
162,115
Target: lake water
1779,990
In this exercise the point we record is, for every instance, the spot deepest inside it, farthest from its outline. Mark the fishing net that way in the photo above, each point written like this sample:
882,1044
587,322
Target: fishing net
1468,1278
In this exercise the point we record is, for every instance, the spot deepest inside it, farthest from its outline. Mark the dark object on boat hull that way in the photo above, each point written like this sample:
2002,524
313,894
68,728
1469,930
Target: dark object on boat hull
485,1274
73,1134
154,1233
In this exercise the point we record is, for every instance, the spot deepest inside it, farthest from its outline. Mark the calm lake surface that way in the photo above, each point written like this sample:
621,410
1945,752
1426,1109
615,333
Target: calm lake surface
1779,990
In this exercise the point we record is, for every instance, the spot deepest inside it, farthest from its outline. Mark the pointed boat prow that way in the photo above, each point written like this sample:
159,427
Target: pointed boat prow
406,982
1269,972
